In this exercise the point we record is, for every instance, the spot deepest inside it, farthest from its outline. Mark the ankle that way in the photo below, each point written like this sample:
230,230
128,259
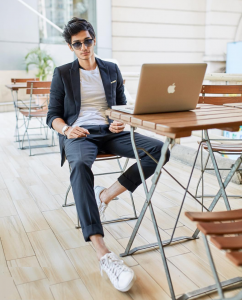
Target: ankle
101,253
102,196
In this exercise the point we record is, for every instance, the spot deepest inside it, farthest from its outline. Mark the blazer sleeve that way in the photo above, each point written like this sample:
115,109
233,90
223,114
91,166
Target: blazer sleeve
120,96
57,95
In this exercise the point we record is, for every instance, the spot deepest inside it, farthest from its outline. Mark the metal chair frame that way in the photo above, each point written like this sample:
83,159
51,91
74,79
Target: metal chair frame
122,170
204,168
32,89
207,91
22,105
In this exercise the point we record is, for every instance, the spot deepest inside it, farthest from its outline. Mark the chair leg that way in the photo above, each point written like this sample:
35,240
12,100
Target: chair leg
67,192
122,169
66,196
135,217
213,268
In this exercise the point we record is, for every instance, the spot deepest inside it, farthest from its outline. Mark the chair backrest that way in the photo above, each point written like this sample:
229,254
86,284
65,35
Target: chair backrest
220,94
22,80
38,88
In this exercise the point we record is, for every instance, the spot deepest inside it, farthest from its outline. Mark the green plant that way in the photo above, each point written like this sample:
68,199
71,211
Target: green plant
42,60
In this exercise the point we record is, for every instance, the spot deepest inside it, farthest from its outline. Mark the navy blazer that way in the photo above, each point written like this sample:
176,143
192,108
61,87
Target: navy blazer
65,93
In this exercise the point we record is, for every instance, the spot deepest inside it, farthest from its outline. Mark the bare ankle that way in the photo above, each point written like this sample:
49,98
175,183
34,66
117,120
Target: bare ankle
102,195
101,253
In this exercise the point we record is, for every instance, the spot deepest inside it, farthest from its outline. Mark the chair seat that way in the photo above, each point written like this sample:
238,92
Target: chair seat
228,242
235,257
106,156
220,228
35,113
33,106
224,147
228,215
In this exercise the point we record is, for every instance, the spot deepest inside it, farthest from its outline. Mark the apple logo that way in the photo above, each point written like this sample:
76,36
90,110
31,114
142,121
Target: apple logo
171,88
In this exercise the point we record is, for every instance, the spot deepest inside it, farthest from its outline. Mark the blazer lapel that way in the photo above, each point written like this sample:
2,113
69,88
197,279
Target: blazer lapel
75,81
104,72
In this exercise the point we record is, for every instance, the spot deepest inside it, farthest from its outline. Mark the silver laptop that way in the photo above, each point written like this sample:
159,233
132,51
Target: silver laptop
167,88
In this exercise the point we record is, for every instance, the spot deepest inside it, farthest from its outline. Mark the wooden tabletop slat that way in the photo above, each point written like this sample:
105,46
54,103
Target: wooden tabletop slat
210,228
227,243
239,105
191,118
200,124
174,123
217,216
16,86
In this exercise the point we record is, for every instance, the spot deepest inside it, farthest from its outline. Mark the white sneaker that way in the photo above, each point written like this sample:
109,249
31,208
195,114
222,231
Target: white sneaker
101,205
121,276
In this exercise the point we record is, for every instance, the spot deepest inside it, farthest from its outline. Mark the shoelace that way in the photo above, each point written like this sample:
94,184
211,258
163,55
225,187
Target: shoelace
102,209
114,267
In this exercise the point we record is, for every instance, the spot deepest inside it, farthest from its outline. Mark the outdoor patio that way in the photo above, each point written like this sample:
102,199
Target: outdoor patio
43,256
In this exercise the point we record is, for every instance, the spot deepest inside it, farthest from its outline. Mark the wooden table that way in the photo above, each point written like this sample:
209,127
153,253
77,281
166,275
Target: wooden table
16,86
176,125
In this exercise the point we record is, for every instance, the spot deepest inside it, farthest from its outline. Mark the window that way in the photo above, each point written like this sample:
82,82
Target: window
60,12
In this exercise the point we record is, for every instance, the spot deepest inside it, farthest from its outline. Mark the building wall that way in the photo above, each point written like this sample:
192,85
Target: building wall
162,31
19,33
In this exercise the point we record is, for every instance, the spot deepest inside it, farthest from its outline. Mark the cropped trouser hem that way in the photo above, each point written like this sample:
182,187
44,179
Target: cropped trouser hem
92,230
127,183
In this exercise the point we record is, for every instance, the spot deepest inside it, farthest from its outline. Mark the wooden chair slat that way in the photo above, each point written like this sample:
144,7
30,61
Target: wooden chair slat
235,257
37,114
224,147
18,80
221,89
227,243
217,216
40,84
39,91
104,155
210,228
219,100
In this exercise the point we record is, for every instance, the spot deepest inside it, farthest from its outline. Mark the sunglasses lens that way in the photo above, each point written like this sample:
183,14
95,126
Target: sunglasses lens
77,45
88,43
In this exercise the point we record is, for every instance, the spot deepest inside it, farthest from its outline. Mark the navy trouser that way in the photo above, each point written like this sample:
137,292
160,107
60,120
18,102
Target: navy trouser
82,152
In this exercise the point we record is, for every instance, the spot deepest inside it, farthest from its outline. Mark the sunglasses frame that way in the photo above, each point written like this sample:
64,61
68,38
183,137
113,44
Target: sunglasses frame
73,45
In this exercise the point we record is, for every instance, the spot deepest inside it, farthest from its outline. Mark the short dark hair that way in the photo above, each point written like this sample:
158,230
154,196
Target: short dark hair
76,25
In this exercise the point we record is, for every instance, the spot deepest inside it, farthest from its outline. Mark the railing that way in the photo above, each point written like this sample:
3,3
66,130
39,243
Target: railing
211,77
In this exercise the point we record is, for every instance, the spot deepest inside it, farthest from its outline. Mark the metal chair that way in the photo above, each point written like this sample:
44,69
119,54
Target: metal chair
219,95
36,88
105,157
20,104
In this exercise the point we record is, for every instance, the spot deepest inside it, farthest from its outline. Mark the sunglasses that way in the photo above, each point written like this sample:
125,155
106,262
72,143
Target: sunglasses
78,45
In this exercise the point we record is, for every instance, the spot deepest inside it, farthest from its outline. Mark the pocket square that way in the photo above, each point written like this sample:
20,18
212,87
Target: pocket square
113,81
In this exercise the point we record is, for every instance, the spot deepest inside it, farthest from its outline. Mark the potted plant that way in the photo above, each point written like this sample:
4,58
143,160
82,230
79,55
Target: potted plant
45,65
